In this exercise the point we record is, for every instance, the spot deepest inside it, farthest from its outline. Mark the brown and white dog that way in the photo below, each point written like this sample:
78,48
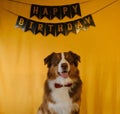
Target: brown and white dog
62,89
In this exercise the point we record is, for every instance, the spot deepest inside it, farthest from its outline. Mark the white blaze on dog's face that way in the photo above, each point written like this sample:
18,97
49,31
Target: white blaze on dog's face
63,66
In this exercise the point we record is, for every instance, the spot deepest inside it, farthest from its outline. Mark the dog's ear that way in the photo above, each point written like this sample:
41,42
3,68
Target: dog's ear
48,59
76,58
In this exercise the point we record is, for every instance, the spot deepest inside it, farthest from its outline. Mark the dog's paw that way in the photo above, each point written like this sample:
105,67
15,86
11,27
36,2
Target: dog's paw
75,107
39,112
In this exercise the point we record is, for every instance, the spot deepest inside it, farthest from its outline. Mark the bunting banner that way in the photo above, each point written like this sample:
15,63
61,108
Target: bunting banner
55,28
55,11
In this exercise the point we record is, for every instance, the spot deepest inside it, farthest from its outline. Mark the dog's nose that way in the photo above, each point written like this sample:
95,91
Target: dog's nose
64,66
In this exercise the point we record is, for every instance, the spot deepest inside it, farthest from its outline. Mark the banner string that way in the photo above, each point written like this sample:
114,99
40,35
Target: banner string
10,11
19,2
105,7
84,2
31,4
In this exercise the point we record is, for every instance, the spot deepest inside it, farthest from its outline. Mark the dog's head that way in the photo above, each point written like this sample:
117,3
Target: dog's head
62,65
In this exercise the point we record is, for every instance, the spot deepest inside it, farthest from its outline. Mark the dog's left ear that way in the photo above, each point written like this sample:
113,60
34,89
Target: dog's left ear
76,58
48,59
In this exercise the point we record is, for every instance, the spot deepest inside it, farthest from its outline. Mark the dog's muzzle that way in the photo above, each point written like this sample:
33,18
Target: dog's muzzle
63,70
64,66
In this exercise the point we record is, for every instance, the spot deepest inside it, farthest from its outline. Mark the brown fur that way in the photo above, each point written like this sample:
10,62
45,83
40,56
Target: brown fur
75,91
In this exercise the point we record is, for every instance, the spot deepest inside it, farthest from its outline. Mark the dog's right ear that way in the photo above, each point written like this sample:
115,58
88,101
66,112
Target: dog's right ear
48,59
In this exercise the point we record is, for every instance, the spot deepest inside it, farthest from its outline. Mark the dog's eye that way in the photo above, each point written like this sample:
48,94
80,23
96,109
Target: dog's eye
70,61
55,62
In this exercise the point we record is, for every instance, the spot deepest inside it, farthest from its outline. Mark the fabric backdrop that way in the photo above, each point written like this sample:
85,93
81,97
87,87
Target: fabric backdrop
22,70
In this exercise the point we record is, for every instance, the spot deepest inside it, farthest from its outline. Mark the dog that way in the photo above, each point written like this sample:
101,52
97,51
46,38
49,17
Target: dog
63,86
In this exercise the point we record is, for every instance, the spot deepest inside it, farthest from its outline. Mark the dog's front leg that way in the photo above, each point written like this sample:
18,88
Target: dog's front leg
75,108
45,111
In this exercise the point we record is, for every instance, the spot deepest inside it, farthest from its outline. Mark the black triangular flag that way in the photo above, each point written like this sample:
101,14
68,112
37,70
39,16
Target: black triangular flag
60,28
75,9
21,22
65,11
56,12
70,27
35,10
45,12
88,20
31,25
50,29
40,28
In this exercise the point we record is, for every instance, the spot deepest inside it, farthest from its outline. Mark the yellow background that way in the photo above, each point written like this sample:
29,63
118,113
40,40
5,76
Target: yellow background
22,71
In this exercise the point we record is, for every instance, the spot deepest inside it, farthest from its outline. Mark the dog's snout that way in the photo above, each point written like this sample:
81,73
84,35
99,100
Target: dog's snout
64,65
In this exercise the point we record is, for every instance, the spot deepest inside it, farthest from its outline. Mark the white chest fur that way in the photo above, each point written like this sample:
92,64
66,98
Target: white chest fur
63,103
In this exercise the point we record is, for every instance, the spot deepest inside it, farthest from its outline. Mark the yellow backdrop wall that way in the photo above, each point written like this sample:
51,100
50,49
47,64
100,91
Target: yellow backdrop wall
22,71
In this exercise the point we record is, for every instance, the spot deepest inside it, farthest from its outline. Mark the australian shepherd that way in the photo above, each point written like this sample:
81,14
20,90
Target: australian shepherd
62,89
